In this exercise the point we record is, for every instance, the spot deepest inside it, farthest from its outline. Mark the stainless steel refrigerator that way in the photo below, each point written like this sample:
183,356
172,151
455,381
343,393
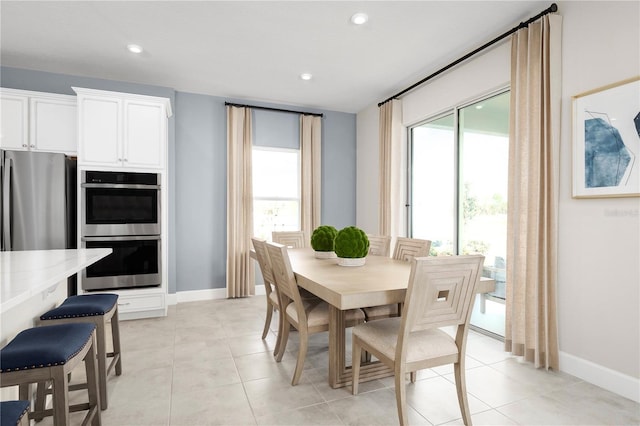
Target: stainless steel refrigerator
37,202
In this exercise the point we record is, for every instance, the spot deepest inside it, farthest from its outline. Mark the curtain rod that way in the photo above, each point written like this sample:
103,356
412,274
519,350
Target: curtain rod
274,109
551,9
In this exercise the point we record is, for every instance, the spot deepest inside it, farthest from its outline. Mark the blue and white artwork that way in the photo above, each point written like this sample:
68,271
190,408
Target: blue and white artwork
607,142
606,159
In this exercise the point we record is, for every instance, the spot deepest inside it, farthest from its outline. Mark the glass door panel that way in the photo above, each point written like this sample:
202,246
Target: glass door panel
433,173
482,222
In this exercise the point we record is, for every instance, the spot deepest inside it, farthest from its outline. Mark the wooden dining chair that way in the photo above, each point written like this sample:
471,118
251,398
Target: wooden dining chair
379,245
440,293
308,316
293,239
271,291
405,249
408,248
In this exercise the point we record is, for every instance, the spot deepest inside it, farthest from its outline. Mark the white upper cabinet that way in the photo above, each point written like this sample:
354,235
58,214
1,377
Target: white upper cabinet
122,130
37,121
100,127
53,124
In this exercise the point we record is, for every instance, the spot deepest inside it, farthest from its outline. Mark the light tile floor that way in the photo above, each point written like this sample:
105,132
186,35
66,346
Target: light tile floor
205,364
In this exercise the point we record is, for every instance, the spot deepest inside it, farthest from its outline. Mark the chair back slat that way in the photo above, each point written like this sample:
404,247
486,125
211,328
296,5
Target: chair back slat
441,291
409,248
283,273
260,246
379,245
293,239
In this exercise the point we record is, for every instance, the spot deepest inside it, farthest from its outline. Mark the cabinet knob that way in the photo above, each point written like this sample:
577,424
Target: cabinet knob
125,160
24,145
33,146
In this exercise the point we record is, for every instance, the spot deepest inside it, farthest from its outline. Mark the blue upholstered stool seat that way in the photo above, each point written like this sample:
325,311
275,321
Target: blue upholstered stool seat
83,306
11,412
45,346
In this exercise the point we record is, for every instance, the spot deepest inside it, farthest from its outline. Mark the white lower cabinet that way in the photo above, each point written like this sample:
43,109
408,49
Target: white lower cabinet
136,304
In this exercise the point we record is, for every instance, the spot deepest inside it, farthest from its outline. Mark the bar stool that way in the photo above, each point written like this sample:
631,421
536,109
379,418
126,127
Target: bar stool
50,353
12,413
96,309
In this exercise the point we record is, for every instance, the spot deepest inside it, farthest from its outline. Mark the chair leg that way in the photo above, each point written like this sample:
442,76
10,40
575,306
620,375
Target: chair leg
461,388
60,397
102,364
401,397
115,334
302,354
39,404
93,387
356,356
284,331
279,336
267,321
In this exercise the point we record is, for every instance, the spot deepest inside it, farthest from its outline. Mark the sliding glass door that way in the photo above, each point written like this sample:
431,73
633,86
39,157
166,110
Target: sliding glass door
458,192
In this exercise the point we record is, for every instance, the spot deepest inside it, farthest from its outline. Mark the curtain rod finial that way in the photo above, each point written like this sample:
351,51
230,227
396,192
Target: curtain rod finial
554,7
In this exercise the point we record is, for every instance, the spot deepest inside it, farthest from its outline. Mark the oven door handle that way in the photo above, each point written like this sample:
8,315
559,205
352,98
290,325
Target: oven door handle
118,186
124,238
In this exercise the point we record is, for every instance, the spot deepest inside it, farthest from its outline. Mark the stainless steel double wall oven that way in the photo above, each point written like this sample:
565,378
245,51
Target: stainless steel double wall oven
121,211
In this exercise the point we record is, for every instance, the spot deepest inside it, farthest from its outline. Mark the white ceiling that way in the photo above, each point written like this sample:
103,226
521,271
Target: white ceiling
255,50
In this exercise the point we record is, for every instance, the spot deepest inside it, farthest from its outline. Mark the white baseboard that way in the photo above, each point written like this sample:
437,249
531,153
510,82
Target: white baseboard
606,378
199,295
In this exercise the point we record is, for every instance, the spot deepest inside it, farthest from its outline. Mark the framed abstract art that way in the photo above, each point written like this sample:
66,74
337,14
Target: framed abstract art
606,141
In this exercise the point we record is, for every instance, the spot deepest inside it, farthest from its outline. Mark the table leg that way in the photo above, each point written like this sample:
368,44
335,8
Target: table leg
339,374
336,346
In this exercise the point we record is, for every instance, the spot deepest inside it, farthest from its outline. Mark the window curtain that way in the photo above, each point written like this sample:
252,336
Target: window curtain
311,172
531,327
390,165
240,271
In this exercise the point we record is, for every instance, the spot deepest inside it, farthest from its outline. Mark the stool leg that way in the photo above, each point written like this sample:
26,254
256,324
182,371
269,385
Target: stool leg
115,335
93,387
41,401
102,364
60,397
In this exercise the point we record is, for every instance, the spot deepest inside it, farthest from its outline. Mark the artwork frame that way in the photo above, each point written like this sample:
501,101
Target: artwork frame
606,141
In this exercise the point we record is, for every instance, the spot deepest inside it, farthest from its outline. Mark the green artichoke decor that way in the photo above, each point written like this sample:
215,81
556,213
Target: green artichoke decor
351,242
322,238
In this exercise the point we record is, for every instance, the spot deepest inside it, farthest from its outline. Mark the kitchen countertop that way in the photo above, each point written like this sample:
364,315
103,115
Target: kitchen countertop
24,274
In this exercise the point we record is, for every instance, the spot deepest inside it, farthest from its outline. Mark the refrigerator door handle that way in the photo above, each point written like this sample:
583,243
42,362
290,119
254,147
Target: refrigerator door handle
6,205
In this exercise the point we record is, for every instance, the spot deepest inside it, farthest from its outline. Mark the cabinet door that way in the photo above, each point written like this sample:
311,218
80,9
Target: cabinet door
53,125
144,140
14,115
100,131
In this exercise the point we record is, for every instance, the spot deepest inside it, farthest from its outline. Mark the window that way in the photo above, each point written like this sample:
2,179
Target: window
276,190
458,191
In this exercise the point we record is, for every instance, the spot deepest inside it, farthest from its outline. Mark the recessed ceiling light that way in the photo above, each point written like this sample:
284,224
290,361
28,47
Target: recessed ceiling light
306,76
359,18
479,106
134,48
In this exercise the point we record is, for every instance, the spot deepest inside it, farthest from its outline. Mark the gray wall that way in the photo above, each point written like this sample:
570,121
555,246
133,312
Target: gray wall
197,167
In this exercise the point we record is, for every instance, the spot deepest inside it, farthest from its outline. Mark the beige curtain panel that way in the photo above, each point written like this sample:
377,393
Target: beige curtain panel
390,140
311,171
531,328
240,271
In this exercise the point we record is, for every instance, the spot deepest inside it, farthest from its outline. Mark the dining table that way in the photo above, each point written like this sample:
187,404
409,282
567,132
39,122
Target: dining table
380,281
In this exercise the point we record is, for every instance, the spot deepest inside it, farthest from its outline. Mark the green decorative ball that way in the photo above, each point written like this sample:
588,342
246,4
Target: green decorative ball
322,238
351,242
